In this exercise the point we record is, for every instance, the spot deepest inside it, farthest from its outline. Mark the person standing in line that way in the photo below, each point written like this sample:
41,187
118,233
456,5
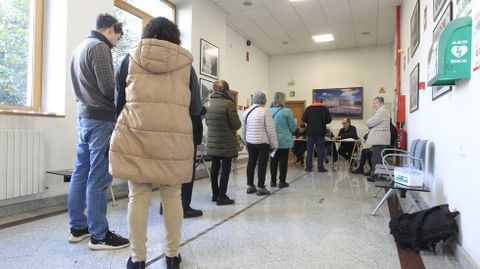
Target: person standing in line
347,131
153,141
93,84
316,117
258,132
223,122
284,126
379,135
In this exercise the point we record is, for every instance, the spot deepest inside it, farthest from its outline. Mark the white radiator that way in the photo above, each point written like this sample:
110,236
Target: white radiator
22,163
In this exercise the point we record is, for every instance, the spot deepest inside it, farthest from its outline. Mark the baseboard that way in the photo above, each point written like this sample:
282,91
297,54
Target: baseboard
57,202
464,258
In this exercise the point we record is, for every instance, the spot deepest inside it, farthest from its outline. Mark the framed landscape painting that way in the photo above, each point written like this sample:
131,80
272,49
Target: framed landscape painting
414,79
341,102
209,54
415,29
206,88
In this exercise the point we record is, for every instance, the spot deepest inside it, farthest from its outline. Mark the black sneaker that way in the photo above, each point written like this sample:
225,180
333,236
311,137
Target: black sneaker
322,169
251,189
214,198
262,191
225,201
283,184
173,262
308,170
78,235
191,213
273,184
111,241
135,265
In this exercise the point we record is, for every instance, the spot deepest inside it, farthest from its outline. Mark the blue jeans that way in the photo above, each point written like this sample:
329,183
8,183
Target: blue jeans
319,142
90,178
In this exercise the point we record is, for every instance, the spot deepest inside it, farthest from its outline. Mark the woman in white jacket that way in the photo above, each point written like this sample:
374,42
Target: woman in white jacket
258,132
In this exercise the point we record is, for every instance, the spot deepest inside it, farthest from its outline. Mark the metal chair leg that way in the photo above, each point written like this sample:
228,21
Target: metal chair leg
374,212
114,202
376,194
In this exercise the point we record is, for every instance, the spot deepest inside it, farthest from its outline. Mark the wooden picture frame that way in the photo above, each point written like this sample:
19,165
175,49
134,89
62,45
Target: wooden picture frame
415,29
414,91
209,59
341,102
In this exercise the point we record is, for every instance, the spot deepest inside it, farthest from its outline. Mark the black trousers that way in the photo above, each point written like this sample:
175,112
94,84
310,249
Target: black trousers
345,150
226,164
257,152
299,149
376,156
281,156
365,157
187,188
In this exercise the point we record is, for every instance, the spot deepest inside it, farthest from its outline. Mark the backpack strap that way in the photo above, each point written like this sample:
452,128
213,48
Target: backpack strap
417,224
246,117
273,117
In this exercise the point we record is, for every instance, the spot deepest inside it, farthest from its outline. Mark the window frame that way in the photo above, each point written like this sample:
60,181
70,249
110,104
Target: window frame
122,4
37,59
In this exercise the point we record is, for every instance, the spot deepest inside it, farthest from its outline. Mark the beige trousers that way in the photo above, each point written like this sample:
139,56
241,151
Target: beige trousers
139,200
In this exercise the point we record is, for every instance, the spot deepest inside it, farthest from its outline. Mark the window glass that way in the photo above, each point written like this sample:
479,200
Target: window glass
132,32
156,8
16,52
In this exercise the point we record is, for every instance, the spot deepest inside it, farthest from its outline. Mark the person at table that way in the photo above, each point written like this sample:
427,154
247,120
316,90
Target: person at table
300,146
379,135
348,131
330,148
365,157
316,117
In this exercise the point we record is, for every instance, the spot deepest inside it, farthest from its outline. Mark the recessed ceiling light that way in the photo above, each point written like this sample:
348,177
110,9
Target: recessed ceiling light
247,4
323,38
365,33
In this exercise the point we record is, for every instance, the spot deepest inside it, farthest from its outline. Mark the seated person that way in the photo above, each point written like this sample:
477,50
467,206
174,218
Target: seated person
348,131
365,157
299,147
329,147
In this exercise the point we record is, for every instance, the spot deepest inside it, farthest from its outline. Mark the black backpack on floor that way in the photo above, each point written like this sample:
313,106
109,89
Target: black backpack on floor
424,229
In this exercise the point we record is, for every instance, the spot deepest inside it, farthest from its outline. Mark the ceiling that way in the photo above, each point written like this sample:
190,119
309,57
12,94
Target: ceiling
282,27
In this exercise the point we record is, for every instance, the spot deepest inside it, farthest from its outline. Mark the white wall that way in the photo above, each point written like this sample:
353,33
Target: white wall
370,67
450,123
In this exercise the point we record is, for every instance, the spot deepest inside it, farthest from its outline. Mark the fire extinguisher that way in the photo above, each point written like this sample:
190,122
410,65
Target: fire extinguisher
402,139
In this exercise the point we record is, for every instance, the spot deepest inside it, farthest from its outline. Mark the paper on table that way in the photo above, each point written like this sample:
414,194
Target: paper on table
348,139
272,154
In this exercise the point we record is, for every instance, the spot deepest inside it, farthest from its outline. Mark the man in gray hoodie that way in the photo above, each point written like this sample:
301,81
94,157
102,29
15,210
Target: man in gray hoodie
93,84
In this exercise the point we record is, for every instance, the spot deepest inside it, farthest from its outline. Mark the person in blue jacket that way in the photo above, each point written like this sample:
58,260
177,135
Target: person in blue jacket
284,127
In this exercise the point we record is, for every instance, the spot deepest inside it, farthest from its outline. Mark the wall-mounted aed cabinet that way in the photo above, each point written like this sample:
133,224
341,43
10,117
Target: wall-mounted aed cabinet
451,55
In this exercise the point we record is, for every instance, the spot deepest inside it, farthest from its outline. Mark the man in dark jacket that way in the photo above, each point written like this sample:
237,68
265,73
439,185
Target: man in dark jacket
316,117
348,131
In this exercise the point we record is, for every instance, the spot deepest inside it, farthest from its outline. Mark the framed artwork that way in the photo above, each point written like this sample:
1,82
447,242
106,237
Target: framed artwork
446,17
341,102
437,7
438,91
206,88
209,56
414,79
415,29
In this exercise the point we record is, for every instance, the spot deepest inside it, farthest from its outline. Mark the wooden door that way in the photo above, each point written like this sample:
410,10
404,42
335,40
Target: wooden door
297,107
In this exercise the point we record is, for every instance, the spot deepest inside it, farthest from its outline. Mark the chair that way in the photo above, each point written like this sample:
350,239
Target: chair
382,170
418,161
202,157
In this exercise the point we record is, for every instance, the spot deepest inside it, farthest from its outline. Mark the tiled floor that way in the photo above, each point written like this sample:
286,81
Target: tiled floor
321,221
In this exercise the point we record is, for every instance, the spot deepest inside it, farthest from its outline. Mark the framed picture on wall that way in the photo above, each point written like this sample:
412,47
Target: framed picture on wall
446,17
209,57
414,79
437,7
342,102
206,88
415,29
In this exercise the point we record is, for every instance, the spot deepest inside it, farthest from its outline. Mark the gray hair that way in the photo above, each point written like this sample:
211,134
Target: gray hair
278,99
259,98
379,99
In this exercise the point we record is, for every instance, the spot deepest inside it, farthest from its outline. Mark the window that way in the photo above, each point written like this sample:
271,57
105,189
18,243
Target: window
134,14
21,42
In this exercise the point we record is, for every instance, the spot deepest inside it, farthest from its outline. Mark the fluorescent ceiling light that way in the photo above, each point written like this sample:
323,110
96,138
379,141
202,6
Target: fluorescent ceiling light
323,38
297,0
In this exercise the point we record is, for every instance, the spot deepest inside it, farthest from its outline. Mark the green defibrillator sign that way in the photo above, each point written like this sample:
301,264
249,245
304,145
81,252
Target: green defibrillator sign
453,53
